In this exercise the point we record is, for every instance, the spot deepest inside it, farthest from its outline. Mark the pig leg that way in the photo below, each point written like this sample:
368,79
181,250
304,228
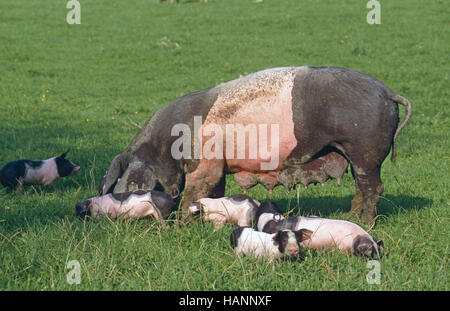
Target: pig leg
160,220
357,201
366,163
201,182
219,223
19,188
219,190
371,187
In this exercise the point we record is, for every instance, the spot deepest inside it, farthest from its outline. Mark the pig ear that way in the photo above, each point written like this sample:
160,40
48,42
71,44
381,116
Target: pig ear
303,234
379,243
276,238
65,153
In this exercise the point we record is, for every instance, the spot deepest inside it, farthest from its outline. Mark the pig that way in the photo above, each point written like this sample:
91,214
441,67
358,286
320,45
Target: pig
136,205
326,233
248,241
321,119
15,175
237,209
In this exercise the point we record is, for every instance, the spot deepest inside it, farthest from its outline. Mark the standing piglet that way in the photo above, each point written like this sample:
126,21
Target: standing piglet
138,204
327,233
248,241
15,175
238,209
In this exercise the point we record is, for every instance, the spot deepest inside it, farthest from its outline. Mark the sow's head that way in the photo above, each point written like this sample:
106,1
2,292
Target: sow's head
130,175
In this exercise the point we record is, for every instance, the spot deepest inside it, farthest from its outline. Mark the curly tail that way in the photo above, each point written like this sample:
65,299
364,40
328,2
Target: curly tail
403,101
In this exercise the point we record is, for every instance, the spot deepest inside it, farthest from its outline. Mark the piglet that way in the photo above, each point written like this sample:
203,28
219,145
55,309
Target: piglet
138,204
238,209
15,175
327,233
248,241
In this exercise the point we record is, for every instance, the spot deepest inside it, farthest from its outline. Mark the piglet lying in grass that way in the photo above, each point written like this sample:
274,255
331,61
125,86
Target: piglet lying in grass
327,233
248,241
139,204
15,175
238,209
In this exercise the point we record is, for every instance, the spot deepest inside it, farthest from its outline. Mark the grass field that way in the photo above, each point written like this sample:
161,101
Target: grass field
91,86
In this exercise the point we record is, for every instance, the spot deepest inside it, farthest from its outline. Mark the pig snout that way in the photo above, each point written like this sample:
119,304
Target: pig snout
83,209
75,169
292,247
293,250
287,242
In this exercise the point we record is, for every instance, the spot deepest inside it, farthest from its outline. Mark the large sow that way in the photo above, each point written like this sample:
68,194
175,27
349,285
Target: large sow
314,120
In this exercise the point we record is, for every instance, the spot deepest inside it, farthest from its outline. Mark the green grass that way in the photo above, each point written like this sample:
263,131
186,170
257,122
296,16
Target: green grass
104,78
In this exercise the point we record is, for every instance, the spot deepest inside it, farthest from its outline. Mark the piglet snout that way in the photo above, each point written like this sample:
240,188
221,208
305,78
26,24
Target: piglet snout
293,251
75,170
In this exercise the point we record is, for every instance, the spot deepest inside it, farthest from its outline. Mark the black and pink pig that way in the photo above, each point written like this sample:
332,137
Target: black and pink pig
326,233
15,175
283,243
135,205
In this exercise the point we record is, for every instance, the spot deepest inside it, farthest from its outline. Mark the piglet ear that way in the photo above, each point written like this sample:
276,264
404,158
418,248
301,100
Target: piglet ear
65,153
303,234
379,243
276,238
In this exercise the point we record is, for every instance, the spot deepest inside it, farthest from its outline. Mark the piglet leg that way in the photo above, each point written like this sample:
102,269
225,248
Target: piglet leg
19,188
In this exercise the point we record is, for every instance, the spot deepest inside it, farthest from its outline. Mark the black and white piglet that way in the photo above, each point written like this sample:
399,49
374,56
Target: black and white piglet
15,175
136,205
326,233
248,241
